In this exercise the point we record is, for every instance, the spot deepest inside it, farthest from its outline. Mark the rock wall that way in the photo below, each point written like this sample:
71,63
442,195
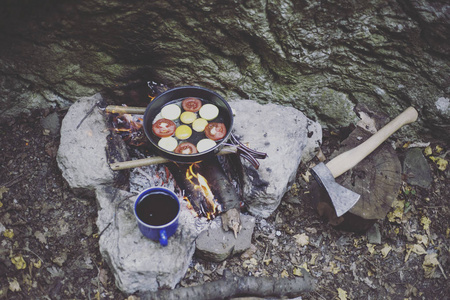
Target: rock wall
321,57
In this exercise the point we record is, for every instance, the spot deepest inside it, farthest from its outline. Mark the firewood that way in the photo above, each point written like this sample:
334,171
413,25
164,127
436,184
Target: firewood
233,286
195,196
223,189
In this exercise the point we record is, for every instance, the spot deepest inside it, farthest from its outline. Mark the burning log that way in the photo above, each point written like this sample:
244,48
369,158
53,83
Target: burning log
205,182
226,192
196,191
232,286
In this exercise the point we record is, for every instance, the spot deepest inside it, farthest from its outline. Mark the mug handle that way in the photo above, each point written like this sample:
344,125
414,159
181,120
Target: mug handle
163,237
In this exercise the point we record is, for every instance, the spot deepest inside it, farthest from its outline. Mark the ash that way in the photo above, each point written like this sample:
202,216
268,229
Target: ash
151,176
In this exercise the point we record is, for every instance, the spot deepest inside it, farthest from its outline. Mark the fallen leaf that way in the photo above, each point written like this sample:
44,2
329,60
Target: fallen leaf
386,249
9,233
37,264
416,248
3,189
396,215
342,294
103,276
250,263
332,268
370,248
14,285
284,274
306,176
41,237
429,265
438,149
313,259
301,239
427,151
425,221
19,262
297,272
440,162
421,239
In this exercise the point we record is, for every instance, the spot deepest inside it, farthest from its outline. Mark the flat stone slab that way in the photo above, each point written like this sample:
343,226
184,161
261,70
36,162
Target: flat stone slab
215,244
284,133
82,151
416,168
138,263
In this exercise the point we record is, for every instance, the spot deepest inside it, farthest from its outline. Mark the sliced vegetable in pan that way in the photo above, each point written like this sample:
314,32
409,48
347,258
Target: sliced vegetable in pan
191,104
215,131
164,128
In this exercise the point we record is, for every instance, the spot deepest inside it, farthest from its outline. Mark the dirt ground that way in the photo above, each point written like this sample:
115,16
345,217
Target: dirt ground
49,240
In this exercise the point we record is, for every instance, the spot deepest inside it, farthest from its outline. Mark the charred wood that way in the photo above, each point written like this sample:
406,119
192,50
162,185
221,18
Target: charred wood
195,196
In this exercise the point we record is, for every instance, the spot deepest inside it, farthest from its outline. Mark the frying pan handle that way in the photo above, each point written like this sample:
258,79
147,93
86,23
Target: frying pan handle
244,154
247,153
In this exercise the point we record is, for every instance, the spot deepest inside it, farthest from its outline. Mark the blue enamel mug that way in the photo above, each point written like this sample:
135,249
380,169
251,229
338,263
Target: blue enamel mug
157,210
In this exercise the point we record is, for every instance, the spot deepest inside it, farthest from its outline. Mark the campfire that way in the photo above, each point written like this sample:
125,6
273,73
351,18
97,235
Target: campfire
200,183
205,185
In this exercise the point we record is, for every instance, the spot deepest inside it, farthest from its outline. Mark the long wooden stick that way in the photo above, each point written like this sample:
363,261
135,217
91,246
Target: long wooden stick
154,160
117,109
230,286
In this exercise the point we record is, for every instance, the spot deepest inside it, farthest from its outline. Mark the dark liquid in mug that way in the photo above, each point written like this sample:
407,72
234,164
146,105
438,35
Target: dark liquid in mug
157,209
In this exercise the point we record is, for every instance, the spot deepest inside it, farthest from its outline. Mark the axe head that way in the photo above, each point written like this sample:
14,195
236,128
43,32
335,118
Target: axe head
342,198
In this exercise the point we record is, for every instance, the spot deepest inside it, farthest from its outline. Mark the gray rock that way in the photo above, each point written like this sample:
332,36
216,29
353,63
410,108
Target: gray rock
215,244
138,263
51,123
416,168
374,235
82,151
321,58
282,133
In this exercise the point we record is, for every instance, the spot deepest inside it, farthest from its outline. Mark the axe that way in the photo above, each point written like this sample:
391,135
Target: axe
342,198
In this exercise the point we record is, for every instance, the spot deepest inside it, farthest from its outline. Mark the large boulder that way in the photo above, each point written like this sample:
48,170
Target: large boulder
138,263
82,151
281,132
319,57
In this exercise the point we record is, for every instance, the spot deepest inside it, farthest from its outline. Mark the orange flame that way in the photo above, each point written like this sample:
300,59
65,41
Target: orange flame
190,207
202,185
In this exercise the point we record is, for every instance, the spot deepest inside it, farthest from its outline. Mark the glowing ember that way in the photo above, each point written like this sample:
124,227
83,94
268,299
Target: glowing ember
202,184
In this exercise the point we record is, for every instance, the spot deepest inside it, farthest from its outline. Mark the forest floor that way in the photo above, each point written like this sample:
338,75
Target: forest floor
49,239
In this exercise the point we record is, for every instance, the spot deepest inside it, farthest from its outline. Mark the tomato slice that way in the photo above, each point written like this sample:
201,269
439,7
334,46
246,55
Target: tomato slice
186,148
164,128
215,131
191,104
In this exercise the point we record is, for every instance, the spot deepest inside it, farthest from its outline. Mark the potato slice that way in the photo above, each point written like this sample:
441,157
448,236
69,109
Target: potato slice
171,111
209,112
205,145
168,143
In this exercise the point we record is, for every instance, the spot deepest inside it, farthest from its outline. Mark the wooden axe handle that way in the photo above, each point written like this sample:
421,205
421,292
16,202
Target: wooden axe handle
347,160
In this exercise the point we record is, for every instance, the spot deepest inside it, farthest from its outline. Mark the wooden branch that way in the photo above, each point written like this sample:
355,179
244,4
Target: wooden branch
195,196
224,191
154,160
219,183
117,109
232,286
